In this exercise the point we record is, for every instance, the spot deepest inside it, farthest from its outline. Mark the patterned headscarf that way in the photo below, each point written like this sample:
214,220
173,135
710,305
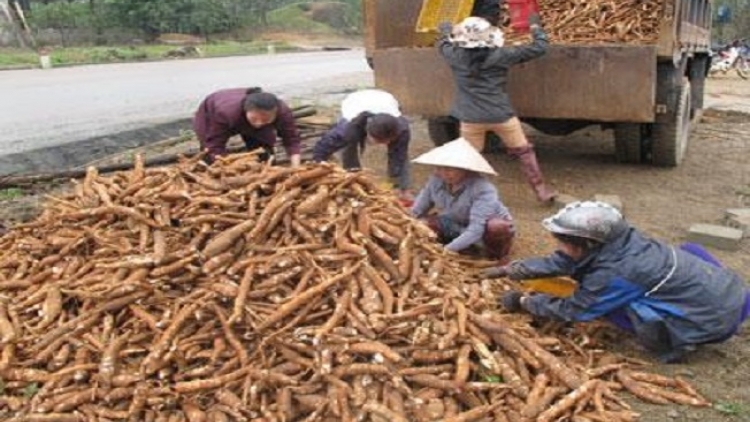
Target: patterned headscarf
476,32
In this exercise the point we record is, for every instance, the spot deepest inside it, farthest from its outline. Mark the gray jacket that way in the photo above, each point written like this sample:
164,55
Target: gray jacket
673,299
469,208
480,95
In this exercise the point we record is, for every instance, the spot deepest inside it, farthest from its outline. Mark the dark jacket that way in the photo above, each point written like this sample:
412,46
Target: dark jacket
350,137
480,95
221,116
673,298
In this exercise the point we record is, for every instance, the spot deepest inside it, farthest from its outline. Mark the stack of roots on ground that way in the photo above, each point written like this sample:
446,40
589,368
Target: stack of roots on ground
249,292
598,21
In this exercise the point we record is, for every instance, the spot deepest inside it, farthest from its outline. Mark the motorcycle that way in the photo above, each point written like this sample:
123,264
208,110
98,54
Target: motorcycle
730,58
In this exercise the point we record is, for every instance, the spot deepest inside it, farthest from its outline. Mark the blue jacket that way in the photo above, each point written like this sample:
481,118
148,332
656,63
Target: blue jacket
673,299
349,136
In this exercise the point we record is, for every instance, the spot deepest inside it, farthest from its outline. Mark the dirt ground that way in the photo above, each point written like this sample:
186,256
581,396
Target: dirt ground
662,202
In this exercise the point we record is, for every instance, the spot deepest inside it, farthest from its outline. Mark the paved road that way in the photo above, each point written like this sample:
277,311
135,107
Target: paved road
49,108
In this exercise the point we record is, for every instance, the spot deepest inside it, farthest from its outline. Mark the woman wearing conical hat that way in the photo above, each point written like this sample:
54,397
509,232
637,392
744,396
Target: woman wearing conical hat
466,208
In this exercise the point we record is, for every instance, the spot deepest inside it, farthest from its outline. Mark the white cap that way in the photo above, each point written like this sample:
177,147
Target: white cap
458,154
476,32
371,100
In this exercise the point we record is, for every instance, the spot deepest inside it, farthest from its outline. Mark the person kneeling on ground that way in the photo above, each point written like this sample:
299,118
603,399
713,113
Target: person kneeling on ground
469,210
373,116
671,298
255,115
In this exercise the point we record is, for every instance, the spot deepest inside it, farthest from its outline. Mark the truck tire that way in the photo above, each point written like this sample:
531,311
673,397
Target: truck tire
629,143
671,131
443,129
697,73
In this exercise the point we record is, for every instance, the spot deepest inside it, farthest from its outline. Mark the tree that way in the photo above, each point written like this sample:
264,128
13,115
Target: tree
738,25
63,17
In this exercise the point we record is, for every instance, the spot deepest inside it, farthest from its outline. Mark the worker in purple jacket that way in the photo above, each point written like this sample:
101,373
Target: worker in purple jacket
468,211
372,116
259,117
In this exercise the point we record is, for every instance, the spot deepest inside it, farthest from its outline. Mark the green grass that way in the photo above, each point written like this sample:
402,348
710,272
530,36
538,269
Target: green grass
14,57
730,408
293,18
10,193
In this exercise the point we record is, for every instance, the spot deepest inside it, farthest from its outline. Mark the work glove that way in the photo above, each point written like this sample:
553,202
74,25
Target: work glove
445,28
511,301
535,20
514,271
496,272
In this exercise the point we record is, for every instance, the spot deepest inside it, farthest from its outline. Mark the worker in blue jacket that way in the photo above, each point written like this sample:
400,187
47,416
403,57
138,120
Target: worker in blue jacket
671,298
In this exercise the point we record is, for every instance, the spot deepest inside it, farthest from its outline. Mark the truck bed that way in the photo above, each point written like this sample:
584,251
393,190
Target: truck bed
611,83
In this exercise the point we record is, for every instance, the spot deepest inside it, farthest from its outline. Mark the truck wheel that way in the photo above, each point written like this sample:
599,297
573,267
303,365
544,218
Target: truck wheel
671,131
442,129
629,143
697,72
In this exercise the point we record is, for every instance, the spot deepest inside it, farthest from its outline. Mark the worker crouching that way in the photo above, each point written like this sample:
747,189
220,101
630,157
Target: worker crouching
468,211
671,298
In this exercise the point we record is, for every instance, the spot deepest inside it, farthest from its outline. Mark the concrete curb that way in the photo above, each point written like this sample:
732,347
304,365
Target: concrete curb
74,154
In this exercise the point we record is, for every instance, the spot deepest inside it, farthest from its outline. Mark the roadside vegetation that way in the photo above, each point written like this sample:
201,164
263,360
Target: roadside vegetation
106,31
66,56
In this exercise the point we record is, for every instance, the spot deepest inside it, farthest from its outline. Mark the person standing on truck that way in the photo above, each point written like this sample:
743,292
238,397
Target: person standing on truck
671,298
479,62
487,9
371,116
469,213
257,116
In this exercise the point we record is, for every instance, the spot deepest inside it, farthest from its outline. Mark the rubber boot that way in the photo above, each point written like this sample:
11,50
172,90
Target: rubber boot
530,168
498,238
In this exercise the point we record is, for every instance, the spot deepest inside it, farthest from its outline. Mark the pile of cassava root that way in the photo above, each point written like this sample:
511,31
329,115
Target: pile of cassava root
250,292
597,21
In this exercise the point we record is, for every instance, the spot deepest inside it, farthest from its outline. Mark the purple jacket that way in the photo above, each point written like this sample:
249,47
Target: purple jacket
221,116
350,136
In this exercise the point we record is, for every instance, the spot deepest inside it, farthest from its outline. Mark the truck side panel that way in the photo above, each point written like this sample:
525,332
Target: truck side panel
685,27
601,83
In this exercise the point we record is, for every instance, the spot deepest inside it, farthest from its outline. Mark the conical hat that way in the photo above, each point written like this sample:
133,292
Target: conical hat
458,154
372,100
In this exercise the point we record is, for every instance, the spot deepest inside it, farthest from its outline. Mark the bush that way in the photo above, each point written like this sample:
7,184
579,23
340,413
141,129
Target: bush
295,18
62,17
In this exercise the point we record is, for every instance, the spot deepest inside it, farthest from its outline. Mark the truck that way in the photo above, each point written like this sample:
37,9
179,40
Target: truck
646,93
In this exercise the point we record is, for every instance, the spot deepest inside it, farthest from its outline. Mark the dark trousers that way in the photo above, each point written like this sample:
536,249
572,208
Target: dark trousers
497,239
253,144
